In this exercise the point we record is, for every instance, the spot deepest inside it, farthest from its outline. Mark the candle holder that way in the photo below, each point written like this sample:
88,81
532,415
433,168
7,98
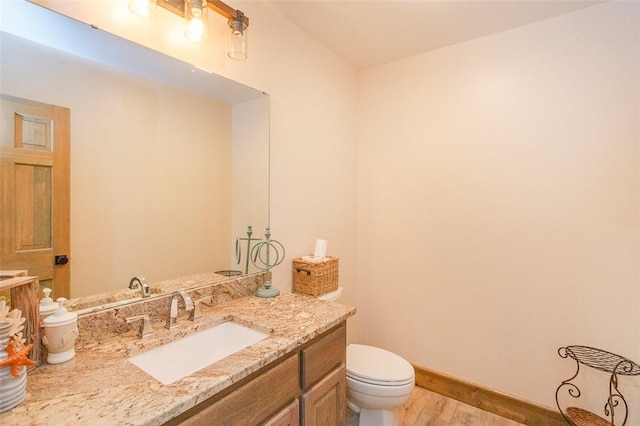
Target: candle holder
249,240
262,256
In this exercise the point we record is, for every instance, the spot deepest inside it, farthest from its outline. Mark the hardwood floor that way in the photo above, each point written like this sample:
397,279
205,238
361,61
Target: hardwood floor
426,408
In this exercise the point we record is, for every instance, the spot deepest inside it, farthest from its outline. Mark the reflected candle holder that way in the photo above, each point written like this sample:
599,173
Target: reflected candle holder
249,241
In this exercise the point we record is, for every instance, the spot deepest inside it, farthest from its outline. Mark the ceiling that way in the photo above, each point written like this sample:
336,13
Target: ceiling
367,33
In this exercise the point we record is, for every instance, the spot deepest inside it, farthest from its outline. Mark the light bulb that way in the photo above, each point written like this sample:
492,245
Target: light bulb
195,29
144,8
196,15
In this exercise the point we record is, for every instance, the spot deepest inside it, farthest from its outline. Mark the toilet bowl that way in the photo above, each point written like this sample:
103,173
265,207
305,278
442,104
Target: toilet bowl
378,381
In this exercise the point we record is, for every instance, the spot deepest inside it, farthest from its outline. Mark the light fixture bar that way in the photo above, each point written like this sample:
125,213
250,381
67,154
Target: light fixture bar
174,6
218,6
225,10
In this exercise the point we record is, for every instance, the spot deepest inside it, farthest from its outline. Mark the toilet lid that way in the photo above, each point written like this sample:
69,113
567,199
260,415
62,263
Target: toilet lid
377,366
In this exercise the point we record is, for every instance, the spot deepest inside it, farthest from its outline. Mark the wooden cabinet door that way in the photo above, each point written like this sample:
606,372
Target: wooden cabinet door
325,403
34,190
288,416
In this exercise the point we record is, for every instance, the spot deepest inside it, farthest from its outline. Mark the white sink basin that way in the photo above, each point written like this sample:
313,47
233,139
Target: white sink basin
183,357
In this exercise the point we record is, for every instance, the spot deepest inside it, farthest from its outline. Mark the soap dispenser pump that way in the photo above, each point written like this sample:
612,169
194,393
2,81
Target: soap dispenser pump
60,333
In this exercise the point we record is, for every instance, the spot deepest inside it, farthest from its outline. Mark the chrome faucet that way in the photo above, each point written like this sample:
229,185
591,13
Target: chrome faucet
142,283
172,315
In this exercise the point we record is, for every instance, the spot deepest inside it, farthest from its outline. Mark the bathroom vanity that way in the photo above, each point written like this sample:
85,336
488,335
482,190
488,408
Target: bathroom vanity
296,375
307,386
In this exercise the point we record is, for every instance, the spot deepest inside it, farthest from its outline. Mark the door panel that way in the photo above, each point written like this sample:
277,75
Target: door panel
34,180
34,225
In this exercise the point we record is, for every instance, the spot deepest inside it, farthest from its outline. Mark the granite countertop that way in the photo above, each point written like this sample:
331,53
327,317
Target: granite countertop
100,387
93,302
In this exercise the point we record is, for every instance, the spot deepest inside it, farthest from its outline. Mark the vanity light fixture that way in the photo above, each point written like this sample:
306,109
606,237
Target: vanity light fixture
237,38
195,12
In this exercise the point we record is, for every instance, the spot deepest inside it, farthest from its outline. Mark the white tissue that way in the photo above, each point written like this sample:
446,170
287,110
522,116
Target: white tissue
321,249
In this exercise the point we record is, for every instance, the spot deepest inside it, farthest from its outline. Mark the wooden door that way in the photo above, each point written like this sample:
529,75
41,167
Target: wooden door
34,191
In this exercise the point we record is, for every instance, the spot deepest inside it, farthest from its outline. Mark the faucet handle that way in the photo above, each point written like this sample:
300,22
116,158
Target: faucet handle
196,312
145,327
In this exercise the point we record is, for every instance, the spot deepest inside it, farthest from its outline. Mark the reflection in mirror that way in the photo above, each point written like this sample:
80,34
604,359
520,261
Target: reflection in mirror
169,164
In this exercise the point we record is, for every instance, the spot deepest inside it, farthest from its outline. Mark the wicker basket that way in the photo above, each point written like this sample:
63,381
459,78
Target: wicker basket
580,417
315,278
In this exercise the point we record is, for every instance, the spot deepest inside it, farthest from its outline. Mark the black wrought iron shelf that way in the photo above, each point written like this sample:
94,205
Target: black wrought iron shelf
615,365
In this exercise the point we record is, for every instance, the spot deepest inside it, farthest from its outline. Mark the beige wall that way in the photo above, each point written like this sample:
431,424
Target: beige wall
313,140
498,201
250,166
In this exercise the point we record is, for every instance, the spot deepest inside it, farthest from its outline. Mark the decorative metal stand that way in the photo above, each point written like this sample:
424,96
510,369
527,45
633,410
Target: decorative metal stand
262,256
616,405
249,240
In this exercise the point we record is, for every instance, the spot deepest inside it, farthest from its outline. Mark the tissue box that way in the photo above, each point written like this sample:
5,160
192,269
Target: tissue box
315,278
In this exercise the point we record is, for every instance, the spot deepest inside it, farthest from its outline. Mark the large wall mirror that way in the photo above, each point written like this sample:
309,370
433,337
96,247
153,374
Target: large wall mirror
169,164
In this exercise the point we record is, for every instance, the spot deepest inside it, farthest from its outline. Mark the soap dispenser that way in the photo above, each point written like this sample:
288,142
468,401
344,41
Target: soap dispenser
47,307
60,333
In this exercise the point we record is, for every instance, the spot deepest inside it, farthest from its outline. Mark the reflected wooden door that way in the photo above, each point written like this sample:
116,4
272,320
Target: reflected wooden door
34,191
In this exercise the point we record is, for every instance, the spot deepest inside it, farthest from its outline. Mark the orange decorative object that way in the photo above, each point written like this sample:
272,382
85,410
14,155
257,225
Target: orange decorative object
17,358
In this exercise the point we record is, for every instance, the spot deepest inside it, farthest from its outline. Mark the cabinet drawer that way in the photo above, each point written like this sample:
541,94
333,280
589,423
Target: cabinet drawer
255,401
318,359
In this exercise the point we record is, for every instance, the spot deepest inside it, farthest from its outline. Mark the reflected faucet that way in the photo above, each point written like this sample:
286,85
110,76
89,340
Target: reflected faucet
142,283
172,315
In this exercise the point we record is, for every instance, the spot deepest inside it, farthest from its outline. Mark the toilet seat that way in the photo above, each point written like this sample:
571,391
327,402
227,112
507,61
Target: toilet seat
385,391
376,366
380,382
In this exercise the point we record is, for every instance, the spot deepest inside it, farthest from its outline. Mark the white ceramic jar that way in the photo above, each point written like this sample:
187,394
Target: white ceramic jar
60,333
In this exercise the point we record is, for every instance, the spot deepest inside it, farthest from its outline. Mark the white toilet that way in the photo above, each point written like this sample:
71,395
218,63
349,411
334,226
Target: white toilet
378,381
